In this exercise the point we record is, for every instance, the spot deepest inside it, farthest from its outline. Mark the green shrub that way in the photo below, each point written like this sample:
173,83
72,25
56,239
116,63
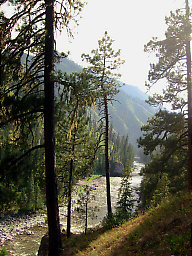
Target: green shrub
179,243
110,221
114,220
4,252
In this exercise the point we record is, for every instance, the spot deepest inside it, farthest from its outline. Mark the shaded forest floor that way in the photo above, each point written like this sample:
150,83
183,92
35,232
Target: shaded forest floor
164,230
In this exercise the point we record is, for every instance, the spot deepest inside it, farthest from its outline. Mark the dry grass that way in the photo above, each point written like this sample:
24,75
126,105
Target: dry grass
165,230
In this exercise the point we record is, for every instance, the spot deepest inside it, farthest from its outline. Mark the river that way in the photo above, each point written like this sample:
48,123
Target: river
23,235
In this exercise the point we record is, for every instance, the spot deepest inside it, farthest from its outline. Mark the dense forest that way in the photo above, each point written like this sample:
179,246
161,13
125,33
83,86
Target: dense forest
45,113
55,125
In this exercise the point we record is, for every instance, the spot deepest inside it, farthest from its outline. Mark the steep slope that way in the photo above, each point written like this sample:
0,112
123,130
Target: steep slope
128,114
165,230
133,91
129,110
68,66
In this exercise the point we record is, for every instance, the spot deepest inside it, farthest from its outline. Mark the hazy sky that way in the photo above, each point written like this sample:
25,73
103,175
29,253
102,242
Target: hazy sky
131,23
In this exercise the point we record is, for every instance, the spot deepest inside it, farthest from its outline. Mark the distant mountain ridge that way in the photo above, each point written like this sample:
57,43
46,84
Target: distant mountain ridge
129,110
133,91
69,66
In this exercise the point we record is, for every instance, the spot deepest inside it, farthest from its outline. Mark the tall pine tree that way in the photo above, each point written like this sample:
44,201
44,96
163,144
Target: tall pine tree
174,64
104,61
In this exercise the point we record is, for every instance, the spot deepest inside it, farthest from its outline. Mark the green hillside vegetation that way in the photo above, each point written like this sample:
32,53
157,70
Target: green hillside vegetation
68,66
133,91
128,114
129,110
164,230
22,184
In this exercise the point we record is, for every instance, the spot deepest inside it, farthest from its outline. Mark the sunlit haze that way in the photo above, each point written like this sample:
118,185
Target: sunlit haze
130,23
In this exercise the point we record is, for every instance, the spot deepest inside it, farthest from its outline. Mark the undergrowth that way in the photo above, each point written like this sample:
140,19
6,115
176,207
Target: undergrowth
3,252
164,230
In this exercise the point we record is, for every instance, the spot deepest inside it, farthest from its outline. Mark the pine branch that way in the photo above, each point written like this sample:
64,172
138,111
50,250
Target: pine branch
16,160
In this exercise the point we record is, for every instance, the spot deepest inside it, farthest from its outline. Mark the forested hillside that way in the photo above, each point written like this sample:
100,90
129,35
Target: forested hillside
129,110
79,137
128,114
45,120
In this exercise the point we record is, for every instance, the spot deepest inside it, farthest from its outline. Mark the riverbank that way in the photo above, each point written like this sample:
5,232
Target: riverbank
22,235
164,230
15,225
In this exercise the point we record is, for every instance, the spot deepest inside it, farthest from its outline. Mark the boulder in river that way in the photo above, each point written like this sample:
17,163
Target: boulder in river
116,169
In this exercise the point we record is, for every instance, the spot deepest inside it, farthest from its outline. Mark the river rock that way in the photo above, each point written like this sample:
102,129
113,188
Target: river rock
28,232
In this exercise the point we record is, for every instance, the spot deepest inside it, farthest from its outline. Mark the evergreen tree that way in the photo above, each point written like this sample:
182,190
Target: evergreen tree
125,203
49,133
171,64
26,80
76,156
162,190
77,146
165,139
168,140
103,62
85,196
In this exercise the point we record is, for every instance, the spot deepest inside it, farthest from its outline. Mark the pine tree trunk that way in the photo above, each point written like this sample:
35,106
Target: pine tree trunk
69,200
50,163
86,215
107,156
70,189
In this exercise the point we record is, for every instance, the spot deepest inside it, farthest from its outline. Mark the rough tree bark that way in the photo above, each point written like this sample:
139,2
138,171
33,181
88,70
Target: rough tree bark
70,192
50,163
107,156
